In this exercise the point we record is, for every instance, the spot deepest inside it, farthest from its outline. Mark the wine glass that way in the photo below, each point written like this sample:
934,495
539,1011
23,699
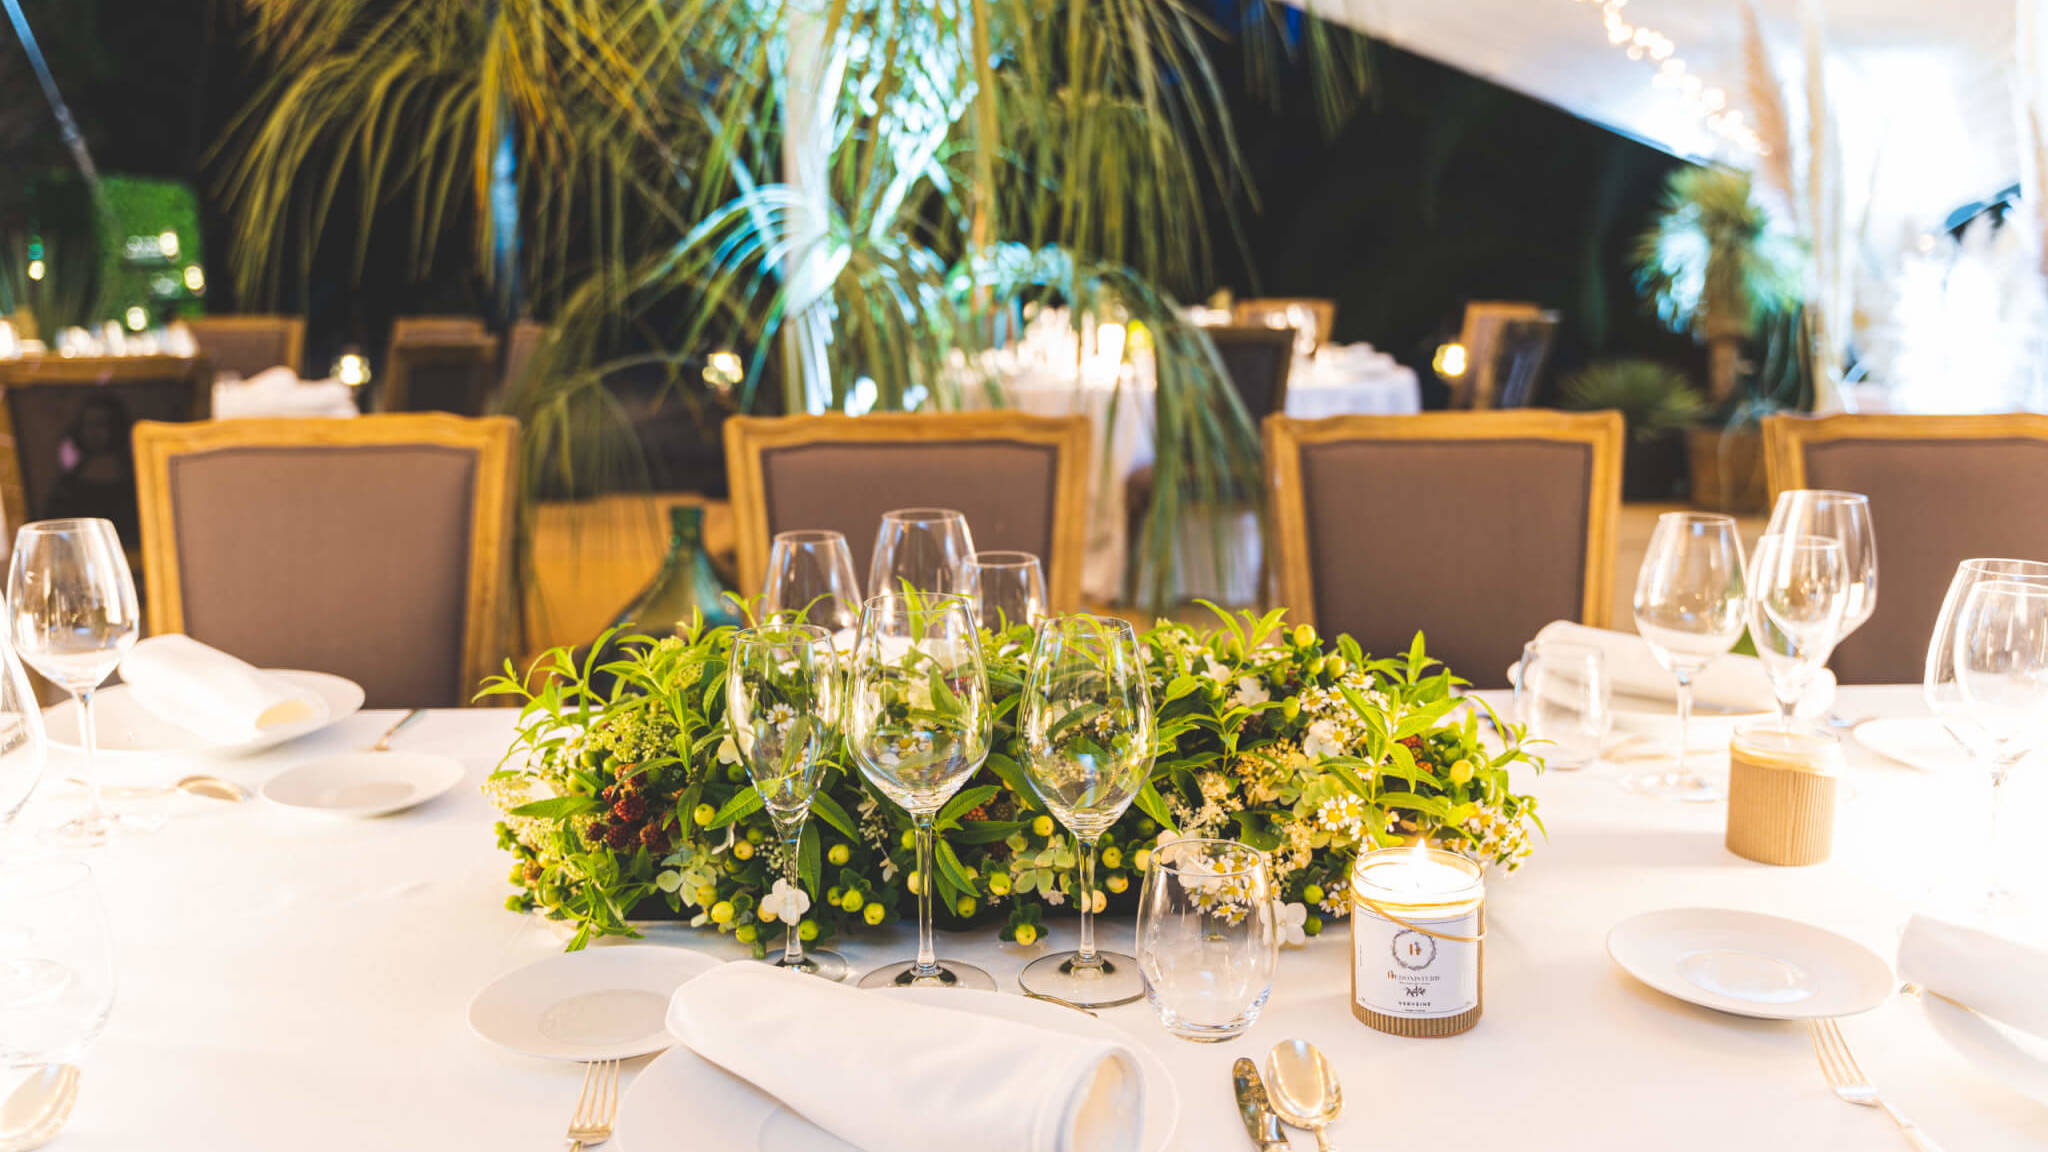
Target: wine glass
918,723
73,615
1843,517
1564,696
924,548
1689,598
1086,722
56,962
24,749
1799,590
1207,940
781,695
810,579
1007,588
2001,673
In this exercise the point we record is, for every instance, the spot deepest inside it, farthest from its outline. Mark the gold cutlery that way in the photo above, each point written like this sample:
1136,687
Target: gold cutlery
1260,1121
596,1107
1303,1088
1057,1000
1846,1077
36,1110
211,787
383,743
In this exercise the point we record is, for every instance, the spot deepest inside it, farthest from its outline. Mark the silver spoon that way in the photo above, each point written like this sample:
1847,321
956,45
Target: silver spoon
383,743
1303,1088
211,787
36,1110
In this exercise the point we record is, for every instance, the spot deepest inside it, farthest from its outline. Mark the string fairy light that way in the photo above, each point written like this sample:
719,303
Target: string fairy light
1644,43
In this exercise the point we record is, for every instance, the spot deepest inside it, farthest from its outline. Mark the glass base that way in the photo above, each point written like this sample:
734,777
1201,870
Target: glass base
825,965
1680,784
90,830
1112,980
1207,1031
951,974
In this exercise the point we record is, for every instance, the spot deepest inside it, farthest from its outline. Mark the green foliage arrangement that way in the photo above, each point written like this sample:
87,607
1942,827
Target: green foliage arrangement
633,804
1652,398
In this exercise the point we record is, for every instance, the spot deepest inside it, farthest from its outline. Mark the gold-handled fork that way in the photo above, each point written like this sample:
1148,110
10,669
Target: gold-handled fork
1846,1077
595,1108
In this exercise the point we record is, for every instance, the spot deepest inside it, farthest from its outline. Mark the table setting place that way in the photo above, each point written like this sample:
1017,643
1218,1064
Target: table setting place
912,863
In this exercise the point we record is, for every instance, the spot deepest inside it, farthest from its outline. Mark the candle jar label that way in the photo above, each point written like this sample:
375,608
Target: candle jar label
1413,970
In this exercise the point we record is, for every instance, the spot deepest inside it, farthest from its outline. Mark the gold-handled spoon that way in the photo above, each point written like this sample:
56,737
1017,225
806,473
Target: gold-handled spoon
211,787
1303,1088
36,1110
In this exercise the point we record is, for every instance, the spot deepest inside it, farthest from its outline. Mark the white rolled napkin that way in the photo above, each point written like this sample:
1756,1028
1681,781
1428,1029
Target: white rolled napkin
1730,683
1996,977
889,1075
204,690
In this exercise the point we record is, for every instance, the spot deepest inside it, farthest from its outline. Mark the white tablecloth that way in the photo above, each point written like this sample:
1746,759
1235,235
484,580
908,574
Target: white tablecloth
277,392
289,982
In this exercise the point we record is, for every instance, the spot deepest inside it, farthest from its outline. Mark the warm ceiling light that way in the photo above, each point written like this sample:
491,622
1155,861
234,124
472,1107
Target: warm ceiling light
1449,361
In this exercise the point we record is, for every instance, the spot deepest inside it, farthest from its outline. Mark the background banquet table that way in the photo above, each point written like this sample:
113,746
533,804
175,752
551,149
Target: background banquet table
289,982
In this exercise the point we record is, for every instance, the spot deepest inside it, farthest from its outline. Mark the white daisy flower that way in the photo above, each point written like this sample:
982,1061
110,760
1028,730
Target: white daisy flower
1322,741
785,902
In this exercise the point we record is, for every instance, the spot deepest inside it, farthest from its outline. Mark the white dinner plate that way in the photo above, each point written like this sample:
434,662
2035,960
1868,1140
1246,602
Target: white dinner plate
363,783
606,1003
2013,1056
1916,741
1750,964
126,728
682,1102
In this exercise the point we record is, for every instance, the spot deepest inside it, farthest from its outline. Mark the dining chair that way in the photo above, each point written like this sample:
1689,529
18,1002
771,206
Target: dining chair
452,375
437,329
1262,311
1942,489
1482,336
1475,528
1021,480
1517,365
69,423
247,343
377,548
521,346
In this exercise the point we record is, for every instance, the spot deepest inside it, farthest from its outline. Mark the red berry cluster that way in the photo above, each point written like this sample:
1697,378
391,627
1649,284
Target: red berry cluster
629,820
1419,748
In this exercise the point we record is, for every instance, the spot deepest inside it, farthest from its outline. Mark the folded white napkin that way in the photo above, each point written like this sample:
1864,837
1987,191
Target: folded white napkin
889,1075
1730,683
207,691
1995,977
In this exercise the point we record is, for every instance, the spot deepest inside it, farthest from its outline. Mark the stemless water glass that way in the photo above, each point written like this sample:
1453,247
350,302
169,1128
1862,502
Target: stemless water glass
781,695
1008,588
1843,517
56,962
2001,671
810,578
1688,604
1086,722
23,747
1799,591
72,610
1564,697
1207,941
918,723
925,548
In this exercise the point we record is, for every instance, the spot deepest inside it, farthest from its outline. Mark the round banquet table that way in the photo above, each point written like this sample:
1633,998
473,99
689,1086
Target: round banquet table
294,983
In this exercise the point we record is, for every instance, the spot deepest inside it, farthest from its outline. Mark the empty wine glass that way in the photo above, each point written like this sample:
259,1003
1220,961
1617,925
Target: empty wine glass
924,548
918,723
1563,695
56,962
1008,588
1799,591
2001,671
23,746
1688,606
1843,517
1086,722
74,616
781,696
1207,941
810,578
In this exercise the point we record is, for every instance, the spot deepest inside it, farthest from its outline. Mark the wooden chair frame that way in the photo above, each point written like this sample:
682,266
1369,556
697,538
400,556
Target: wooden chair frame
84,372
494,439
437,329
1479,333
748,437
1786,438
294,332
1286,436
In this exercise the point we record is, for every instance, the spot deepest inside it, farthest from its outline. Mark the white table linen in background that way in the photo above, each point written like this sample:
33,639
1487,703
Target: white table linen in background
1348,380
278,392
293,982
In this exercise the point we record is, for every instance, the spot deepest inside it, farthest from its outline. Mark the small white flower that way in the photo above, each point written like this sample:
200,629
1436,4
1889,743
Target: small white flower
1213,670
785,902
728,752
1322,741
1288,921
1055,897
780,715
1250,693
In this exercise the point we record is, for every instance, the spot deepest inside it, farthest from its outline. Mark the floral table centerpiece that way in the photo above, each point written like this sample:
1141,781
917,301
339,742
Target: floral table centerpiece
628,802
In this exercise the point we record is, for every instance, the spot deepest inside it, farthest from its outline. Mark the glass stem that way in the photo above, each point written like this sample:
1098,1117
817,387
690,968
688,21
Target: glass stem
792,944
1085,956
927,958
1997,830
1679,770
88,742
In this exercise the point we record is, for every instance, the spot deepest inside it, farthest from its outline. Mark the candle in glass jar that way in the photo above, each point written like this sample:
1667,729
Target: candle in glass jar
1418,918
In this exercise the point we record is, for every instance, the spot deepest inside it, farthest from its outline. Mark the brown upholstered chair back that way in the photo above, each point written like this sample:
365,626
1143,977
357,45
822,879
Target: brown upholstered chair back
1021,481
455,376
520,348
1258,360
246,345
1942,489
374,549
1474,528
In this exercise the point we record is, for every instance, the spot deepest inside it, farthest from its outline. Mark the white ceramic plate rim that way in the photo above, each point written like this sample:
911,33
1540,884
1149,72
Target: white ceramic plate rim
344,698
433,775
1626,940
1162,1097
1896,737
570,974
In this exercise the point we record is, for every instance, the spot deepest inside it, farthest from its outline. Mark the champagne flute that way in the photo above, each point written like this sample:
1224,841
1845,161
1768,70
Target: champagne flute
918,722
1843,517
1798,591
810,579
74,616
1086,722
1688,606
924,548
780,694
1008,589
2001,671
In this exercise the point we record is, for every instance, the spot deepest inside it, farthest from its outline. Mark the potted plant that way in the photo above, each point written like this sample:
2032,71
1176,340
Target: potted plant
1658,404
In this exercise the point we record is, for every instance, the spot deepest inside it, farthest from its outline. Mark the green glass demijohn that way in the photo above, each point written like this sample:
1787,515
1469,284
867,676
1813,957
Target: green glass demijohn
685,585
